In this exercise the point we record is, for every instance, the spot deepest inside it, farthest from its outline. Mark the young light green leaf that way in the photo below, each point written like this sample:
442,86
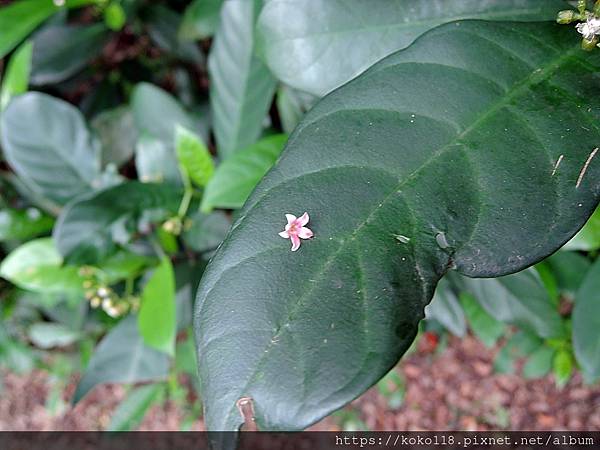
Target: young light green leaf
133,408
16,78
194,158
237,176
434,143
122,357
37,266
20,19
48,145
156,320
303,48
586,324
60,51
200,20
114,16
83,230
562,367
241,87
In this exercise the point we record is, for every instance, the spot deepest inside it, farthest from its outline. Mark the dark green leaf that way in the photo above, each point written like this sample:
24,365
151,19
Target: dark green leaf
586,324
200,20
60,51
206,231
117,134
134,407
238,175
122,357
16,77
47,143
83,230
588,238
241,87
21,225
451,143
520,299
156,320
303,41
446,309
194,158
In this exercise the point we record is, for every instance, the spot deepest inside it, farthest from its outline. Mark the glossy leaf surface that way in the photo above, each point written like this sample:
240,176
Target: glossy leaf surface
451,143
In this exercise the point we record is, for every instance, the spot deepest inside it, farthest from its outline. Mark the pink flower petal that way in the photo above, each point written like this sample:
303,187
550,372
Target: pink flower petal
303,219
284,234
290,218
305,233
295,242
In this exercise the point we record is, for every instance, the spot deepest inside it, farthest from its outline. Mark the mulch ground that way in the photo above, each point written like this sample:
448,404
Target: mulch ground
452,390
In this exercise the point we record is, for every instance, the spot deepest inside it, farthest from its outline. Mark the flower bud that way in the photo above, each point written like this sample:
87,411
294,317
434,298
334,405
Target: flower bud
566,16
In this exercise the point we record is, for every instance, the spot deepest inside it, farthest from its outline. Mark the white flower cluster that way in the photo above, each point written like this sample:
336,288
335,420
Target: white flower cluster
590,28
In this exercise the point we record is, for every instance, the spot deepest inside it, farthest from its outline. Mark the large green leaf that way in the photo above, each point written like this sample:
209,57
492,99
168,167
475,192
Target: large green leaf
156,319
520,299
237,176
586,324
83,230
241,87
303,41
60,51
47,143
441,157
122,357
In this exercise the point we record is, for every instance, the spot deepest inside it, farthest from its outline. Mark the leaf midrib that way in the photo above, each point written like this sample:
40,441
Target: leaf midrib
537,75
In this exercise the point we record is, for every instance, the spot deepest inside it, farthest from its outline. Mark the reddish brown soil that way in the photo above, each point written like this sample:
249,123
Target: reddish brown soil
453,390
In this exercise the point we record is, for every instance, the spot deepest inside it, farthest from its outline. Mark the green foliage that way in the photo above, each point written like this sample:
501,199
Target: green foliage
235,179
469,154
303,48
122,357
156,319
412,135
241,85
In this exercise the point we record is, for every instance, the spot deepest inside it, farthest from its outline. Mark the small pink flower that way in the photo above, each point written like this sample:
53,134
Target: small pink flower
295,229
